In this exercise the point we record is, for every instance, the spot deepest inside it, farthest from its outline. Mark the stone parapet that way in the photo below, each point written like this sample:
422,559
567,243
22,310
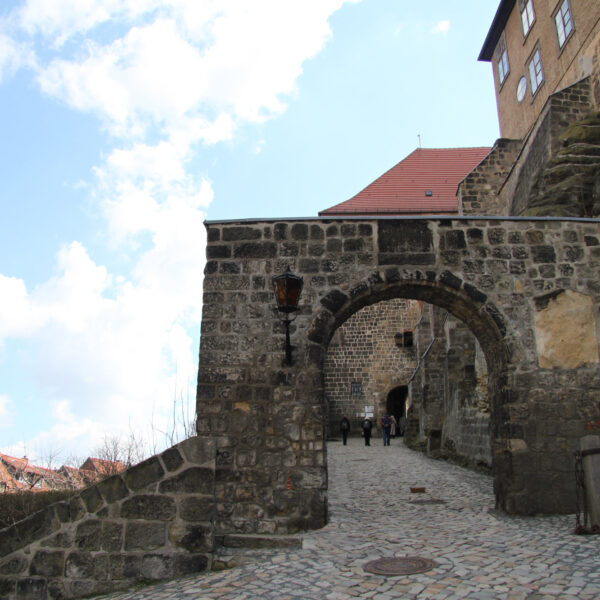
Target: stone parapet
153,521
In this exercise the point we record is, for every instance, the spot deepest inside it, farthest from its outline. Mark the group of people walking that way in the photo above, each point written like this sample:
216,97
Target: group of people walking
390,428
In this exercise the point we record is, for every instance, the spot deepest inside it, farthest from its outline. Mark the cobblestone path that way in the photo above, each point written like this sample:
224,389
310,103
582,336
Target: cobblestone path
479,553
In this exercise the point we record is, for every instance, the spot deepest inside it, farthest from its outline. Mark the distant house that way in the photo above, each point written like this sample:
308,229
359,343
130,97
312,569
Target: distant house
72,476
94,469
18,474
423,183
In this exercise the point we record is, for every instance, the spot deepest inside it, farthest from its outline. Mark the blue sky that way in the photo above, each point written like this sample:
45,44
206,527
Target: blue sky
124,124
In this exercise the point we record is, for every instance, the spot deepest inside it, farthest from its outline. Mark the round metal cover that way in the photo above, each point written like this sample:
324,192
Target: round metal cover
402,565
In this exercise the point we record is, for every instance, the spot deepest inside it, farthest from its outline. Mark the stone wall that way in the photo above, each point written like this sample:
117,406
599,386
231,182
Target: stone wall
363,352
153,521
448,394
478,191
561,109
493,274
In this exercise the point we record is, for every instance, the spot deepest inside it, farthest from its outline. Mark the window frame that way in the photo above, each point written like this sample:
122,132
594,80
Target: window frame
539,81
503,66
527,17
502,62
559,15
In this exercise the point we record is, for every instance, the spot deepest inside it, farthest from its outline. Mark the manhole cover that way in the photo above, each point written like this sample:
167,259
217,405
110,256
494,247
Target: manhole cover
428,501
403,565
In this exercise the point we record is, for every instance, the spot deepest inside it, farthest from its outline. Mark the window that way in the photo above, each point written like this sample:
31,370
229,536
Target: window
536,74
521,89
564,23
503,66
355,389
501,59
404,340
527,15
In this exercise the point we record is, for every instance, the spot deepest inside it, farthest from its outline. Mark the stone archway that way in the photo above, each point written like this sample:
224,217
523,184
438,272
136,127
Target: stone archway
484,321
395,405
499,276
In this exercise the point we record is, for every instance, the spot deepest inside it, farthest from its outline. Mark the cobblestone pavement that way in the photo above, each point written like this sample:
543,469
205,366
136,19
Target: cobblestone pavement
479,553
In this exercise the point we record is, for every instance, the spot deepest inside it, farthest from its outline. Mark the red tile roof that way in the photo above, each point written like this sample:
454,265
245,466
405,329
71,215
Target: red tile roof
404,188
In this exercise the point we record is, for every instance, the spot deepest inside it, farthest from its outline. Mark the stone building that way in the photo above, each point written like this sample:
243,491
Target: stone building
374,365
498,286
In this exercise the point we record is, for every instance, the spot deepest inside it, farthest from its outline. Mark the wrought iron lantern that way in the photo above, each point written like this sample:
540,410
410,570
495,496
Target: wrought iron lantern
287,288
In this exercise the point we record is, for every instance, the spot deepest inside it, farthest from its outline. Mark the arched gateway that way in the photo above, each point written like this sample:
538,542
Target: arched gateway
526,288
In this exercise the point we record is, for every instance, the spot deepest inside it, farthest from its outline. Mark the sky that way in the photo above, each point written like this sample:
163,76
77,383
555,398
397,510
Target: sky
125,124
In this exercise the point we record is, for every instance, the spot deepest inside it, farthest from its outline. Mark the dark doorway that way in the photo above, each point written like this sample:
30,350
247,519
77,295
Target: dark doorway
396,405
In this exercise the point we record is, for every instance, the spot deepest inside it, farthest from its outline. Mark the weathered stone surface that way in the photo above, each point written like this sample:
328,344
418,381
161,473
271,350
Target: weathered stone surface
190,563
143,535
149,507
112,489
196,480
198,450
565,332
111,536
157,566
172,459
47,563
197,509
32,528
92,499
31,588
87,535
193,538
13,566
144,474
80,565
403,236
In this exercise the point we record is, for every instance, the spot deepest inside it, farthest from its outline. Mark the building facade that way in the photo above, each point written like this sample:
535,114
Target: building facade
538,47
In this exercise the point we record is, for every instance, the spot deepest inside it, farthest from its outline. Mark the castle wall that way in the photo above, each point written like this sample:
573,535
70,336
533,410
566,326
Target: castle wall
478,191
363,352
270,419
562,109
150,522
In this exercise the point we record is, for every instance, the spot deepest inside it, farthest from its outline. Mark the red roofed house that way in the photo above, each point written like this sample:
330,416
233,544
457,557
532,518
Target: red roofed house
95,469
425,182
19,474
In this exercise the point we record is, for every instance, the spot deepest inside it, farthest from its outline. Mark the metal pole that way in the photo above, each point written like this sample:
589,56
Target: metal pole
288,347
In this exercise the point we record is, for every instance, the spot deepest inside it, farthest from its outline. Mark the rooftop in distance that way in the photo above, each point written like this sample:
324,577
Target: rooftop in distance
425,182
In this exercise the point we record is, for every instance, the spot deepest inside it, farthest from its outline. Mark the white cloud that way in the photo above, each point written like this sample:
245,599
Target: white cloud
13,56
163,76
442,27
62,19
4,407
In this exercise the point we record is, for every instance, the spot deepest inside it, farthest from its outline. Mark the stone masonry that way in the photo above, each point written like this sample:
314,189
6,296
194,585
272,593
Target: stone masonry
493,274
258,464
151,522
363,353
449,408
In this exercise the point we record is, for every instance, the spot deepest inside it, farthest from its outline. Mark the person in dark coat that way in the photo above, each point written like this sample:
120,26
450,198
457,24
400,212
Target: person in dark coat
367,426
386,428
345,429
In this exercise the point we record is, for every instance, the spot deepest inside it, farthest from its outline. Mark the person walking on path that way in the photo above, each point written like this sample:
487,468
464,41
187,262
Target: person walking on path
366,427
345,429
386,426
394,428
